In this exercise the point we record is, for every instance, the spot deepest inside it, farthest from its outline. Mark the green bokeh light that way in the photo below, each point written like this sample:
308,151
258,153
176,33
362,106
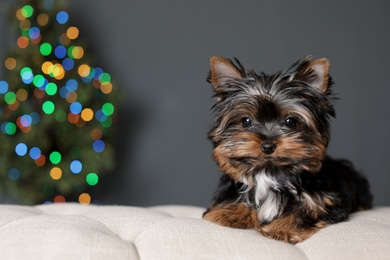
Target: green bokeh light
48,107
45,49
27,11
55,157
104,78
107,123
25,70
51,89
60,115
10,98
39,80
108,109
92,179
10,128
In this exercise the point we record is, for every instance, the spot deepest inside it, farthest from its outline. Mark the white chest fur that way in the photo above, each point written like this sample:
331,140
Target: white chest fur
267,201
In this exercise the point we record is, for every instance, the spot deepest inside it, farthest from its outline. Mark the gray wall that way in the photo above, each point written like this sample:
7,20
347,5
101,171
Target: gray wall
157,52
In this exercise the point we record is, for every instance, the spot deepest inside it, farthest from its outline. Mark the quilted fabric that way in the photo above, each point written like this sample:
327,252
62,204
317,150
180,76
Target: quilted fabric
74,231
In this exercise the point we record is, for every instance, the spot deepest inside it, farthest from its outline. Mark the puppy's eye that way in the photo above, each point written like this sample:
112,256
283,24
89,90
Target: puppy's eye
290,122
246,122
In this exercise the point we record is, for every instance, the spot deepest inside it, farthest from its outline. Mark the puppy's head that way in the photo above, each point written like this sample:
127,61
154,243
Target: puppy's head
270,123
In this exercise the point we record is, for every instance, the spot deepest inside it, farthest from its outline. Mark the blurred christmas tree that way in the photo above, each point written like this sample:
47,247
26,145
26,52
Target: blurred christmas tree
56,110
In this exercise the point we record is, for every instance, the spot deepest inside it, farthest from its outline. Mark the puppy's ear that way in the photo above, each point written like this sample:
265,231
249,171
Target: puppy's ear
315,73
222,71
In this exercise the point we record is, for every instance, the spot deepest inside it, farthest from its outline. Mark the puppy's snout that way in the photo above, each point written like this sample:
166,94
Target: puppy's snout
268,147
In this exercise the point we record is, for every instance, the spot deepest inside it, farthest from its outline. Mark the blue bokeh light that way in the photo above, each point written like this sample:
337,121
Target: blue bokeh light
3,87
62,17
35,117
21,149
76,166
68,64
60,51
35,153
13,174
34,33
72,85
26,120
98,146
75,108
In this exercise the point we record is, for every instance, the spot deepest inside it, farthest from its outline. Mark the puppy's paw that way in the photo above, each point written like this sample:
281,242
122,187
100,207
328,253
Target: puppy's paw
289,230
232,215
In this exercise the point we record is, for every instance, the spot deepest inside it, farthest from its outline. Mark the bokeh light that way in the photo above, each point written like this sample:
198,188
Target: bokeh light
19,15
84,70
60,51
72,32
58,71
108,109
41,161
75,52
14,174
96,134
3,87
42,19
27,75
75,108
55,157
48,107
60,115
35,153
22,42
59,199
73,118
106,88
63,39
98,146
107,123
71,97
10,98
104,78
39,81
39,93
35,118
87,114
25,25
8,128
21,149
27,11
51,89
14,106
25,120
47,67
46,49
84,199
76,166
56,173
92,179
34,33
62,17
68,64
10,63
21,94
100,116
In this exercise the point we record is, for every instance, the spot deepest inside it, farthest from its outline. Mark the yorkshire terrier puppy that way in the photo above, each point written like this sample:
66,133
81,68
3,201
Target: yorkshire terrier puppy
270,135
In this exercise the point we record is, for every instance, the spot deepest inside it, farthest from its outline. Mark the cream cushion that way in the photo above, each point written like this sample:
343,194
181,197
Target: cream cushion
74,231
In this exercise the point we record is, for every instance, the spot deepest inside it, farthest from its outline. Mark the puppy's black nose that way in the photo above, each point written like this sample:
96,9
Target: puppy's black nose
268,147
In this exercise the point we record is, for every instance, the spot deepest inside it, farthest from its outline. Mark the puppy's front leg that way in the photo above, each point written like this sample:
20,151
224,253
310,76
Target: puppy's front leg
290,228
236,215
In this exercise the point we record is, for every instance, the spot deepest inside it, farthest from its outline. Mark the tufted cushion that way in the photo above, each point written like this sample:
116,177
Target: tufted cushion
74,231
